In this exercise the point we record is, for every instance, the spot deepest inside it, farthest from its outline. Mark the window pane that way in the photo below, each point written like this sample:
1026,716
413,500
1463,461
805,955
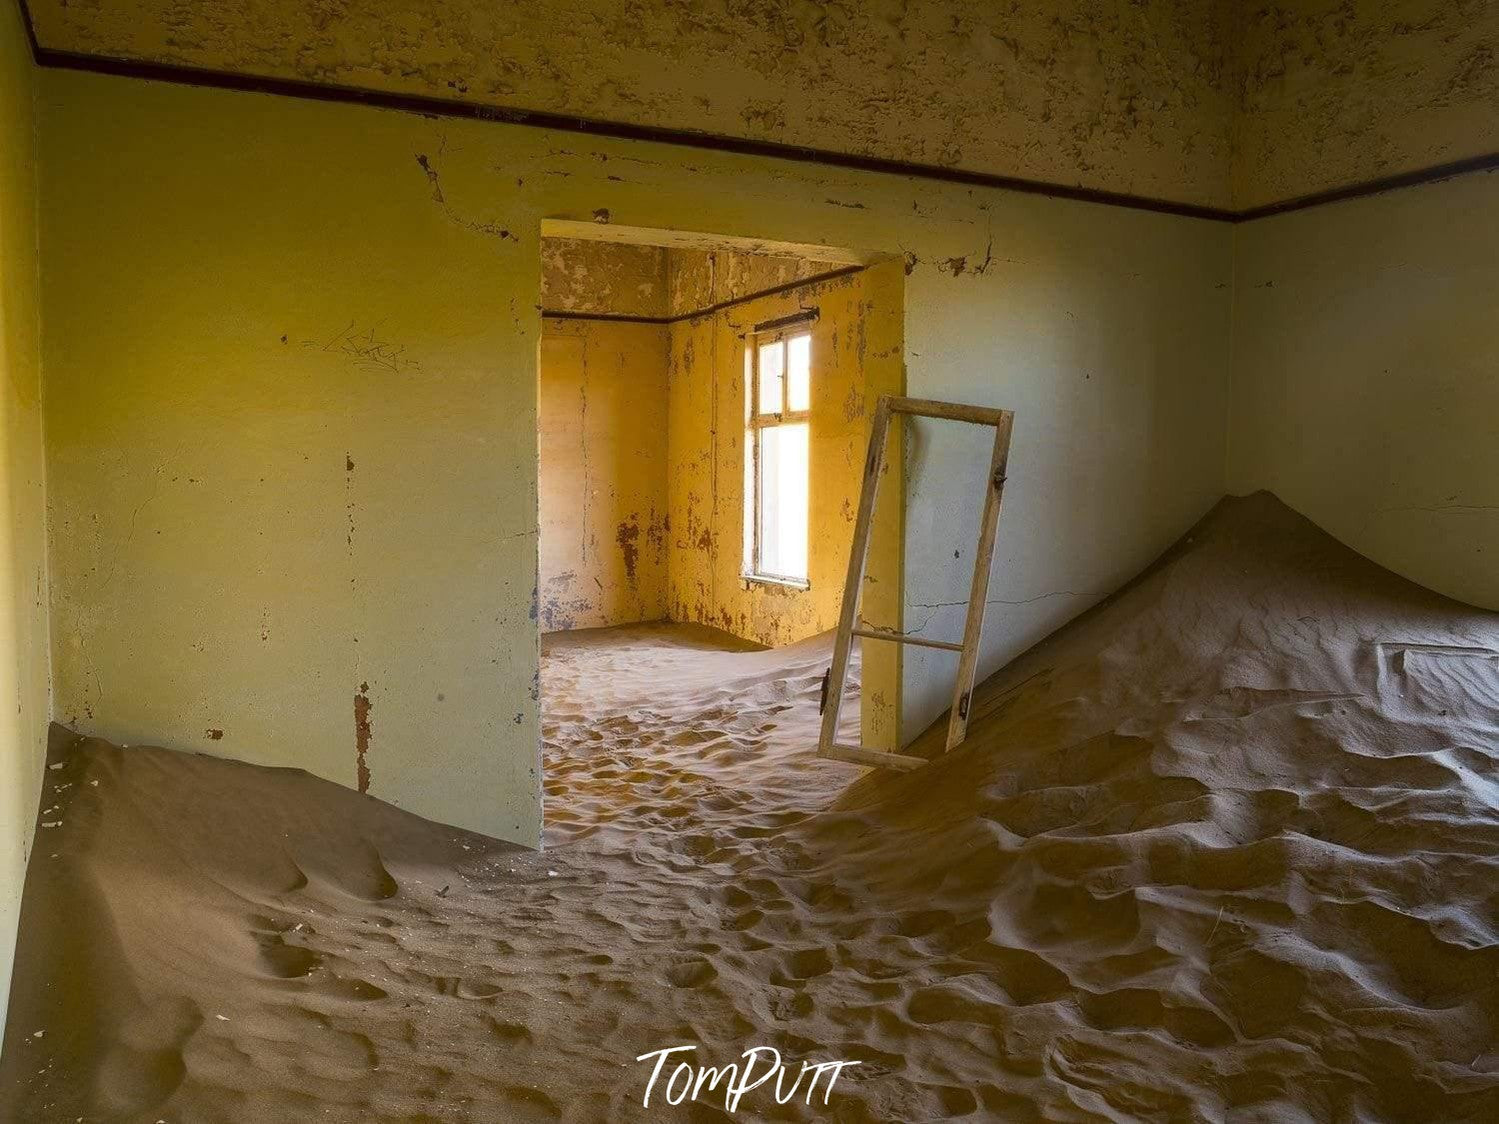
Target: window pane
783,500
772,365
799,373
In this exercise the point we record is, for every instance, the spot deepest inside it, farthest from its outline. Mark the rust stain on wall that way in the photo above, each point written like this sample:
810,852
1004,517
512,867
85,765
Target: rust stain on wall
628,537
362,707
602,481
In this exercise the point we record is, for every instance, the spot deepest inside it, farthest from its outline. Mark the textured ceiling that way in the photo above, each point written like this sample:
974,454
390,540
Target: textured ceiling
1211,102
1116,95
1335,92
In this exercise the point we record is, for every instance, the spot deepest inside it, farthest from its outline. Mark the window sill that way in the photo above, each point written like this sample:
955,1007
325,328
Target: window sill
780,583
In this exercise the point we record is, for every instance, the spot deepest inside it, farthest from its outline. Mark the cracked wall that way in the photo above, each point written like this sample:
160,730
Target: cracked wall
1117,95
23,577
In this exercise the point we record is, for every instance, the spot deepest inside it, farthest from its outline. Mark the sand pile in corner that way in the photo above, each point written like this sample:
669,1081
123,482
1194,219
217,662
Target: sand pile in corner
1223,848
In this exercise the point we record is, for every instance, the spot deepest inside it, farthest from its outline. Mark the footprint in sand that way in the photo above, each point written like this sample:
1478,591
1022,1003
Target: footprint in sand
144,1065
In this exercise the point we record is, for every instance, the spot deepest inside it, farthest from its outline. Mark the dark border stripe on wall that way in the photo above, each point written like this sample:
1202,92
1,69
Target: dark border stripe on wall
36,48
707,310
1489,162
181,74
611,317
614,130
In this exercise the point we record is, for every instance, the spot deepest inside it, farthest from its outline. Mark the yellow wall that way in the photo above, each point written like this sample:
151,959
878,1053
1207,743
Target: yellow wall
697,279
603,469
216,565
855,355
604,277
291,440
23,621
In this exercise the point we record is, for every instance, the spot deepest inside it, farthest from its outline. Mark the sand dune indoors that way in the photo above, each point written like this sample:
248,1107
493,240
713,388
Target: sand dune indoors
1224,848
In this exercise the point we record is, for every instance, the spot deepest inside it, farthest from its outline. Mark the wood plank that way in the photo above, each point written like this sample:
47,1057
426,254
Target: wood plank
849,624
973,626
950,411
879,759
853,582
894,637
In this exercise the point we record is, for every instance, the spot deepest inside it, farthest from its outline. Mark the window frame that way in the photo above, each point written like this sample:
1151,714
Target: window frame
757,421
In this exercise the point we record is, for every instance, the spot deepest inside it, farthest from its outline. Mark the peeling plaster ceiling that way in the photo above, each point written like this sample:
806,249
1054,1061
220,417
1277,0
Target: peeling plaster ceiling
1117,95
1223,103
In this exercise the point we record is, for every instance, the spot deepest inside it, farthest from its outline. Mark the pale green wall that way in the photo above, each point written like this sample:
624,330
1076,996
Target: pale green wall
23,624
292,436
1366,376
198,484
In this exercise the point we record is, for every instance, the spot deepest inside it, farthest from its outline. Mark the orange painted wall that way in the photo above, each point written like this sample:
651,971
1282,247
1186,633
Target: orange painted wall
856,355
602,477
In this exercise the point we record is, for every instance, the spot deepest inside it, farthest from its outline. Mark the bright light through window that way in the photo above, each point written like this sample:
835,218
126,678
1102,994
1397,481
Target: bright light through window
777,468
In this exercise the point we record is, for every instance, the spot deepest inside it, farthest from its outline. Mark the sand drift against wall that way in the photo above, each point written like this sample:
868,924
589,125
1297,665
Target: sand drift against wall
1225,845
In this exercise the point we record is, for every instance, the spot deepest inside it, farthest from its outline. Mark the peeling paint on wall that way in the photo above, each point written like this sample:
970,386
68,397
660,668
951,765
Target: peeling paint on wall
1218,103
362,709
707,435
603,277
617,278
602,474
699,279
1335,92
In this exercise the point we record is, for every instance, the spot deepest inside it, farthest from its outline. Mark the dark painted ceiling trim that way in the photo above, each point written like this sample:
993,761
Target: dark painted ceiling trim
614,130
706,310
1488,162
618,130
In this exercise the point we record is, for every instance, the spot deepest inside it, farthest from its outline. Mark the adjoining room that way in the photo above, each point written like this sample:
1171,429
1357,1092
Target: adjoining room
704,421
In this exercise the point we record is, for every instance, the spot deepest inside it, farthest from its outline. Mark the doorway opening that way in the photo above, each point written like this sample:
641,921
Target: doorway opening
704,412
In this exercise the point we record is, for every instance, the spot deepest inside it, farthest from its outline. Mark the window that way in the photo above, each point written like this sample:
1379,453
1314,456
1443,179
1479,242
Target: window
778,385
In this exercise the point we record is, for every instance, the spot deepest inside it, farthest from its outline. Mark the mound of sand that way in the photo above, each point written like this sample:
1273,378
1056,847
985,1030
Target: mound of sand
1224,848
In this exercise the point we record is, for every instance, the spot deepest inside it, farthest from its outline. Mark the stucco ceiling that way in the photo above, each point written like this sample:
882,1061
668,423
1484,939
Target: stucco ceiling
1108,94
1217,103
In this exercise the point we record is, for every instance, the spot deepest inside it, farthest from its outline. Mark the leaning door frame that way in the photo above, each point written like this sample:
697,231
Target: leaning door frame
849,626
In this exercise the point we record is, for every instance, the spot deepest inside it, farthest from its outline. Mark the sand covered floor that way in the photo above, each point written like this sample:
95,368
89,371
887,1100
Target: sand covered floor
1226,848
